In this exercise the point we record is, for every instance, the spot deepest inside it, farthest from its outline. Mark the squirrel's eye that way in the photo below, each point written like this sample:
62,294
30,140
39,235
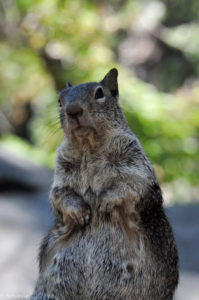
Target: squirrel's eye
59,102
99,93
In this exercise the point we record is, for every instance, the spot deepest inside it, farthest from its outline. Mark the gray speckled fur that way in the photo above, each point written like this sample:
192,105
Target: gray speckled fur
111,238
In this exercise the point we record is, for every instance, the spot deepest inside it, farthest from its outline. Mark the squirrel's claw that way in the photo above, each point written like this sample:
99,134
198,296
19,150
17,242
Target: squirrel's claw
107,206
80,216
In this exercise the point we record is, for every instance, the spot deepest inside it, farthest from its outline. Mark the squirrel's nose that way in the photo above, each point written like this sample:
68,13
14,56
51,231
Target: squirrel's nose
74,109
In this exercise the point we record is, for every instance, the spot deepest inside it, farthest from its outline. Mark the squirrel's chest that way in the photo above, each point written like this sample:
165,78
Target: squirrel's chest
93,175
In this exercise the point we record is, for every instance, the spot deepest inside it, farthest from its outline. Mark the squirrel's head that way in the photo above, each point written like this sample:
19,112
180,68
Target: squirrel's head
90,107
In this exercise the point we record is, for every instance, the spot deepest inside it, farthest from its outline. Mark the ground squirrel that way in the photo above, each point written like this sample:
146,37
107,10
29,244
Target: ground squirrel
111,238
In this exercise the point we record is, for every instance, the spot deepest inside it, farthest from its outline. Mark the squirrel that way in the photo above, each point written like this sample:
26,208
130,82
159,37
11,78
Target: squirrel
111,238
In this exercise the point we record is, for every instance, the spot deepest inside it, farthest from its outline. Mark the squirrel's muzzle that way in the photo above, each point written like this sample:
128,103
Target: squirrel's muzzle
74,109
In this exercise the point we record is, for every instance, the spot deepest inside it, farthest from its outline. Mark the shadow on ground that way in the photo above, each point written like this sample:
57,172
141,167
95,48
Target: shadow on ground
25,216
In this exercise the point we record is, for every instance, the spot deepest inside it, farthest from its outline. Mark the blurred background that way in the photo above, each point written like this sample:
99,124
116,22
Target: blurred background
43,43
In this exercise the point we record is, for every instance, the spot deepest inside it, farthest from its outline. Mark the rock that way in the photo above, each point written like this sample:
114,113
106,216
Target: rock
16,173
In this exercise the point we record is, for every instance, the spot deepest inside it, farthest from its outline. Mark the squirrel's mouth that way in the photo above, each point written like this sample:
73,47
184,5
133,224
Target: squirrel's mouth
79,125
81,130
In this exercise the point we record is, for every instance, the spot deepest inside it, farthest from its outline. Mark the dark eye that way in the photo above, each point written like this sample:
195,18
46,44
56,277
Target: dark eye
99,93
59,102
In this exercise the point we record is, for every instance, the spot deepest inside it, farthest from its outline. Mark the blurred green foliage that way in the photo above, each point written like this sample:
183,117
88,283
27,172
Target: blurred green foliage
46,42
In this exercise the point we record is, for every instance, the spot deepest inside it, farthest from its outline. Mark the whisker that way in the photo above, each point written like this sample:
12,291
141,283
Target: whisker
52,123
51,132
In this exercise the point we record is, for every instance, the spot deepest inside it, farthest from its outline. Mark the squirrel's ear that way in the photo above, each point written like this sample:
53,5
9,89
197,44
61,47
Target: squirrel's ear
68,85
110,81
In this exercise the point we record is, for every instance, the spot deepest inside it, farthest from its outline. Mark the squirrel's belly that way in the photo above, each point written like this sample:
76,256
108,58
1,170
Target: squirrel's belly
103,264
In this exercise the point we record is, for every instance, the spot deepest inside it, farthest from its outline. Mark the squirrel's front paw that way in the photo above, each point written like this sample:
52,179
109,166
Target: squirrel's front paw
107,205
79,214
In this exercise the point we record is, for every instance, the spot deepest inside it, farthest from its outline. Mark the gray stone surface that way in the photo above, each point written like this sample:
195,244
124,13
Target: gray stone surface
26,216
185,223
